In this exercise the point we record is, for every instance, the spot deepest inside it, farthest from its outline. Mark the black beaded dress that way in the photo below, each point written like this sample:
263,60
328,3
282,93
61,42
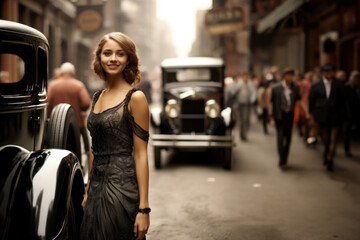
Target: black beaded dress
113,195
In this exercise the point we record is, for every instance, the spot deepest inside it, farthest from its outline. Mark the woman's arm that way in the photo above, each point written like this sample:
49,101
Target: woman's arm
140,111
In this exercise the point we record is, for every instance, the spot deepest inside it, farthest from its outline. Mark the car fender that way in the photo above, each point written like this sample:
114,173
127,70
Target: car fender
38,186
227,115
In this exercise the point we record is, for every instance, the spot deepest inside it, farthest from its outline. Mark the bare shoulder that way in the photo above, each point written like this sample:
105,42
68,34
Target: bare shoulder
138,101
138,96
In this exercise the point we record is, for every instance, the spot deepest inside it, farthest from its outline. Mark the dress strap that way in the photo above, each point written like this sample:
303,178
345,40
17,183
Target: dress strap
96,98
129,94
137,129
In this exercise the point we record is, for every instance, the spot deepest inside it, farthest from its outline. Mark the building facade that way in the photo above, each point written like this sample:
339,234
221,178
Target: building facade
53,18
305,34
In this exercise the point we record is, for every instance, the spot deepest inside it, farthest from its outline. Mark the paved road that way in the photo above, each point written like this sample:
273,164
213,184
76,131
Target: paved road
192,197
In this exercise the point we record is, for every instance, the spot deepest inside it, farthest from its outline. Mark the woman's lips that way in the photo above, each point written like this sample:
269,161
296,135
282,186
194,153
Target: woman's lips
112,67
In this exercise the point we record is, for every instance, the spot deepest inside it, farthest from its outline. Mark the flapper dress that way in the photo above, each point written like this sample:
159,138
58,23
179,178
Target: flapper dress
113,194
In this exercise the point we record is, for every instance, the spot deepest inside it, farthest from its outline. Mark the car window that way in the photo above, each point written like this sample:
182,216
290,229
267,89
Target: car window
200,74
42,68
12,68
193,75
16,71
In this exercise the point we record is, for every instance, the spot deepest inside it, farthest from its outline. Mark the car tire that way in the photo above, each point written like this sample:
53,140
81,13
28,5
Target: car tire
227,158
71,229
157,157
63,130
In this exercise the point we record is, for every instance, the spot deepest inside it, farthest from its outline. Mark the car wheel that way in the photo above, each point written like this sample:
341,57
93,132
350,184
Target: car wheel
63,130
227,158
157,157
227,152
71,226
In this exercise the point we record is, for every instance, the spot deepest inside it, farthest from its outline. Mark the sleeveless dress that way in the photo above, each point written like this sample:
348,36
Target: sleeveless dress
113,195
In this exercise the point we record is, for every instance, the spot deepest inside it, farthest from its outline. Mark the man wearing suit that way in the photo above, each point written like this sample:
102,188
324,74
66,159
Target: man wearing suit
352,100
283,97
327,107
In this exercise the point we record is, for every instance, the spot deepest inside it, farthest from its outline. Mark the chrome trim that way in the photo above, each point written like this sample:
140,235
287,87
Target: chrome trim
22,108
191,141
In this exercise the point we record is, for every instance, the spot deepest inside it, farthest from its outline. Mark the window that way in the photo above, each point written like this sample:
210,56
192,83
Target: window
17,68
200,74
12,68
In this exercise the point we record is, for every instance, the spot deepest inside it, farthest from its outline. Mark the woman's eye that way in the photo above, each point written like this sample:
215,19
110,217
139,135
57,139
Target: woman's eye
120,54
107,53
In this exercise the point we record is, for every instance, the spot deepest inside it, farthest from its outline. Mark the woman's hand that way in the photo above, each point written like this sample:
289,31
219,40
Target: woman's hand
84,201
141,226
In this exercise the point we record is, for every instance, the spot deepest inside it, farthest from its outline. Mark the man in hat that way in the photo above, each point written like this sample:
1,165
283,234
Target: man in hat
327,107
352,99
283,97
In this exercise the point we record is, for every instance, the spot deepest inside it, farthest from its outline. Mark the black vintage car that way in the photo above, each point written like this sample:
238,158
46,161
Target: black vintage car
41,188
193,114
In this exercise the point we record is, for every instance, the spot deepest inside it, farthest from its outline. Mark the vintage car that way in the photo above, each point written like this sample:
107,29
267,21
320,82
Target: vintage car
41,180
193,114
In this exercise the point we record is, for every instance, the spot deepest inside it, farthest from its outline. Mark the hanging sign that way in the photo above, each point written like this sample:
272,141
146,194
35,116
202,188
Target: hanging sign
90,18
224,20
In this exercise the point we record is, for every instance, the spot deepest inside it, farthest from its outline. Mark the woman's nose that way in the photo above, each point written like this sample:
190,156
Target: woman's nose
113,57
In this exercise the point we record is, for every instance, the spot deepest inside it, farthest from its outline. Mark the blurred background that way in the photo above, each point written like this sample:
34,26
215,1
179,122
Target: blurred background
248,34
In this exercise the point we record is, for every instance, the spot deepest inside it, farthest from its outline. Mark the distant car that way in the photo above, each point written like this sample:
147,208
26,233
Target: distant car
41,188
193,114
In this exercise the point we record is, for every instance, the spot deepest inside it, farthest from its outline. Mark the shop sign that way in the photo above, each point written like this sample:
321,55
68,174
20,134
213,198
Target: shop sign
90,18
224,20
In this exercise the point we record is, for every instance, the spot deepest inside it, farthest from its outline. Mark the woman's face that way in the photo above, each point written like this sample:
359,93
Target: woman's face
113,58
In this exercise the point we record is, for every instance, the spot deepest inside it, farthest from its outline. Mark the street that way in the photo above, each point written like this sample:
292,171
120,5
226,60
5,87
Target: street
193,197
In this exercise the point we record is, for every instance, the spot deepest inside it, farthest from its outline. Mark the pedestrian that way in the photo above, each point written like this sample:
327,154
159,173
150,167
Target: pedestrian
116,204
341,75
304,87
297,111
67,89
283,98
56,74
327,106
262,102
352,108
244,93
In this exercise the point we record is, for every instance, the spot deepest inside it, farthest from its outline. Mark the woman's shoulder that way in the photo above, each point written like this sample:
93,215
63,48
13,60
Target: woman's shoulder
137,97
137,100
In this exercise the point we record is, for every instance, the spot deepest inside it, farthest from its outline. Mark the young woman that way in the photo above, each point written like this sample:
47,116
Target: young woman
116,200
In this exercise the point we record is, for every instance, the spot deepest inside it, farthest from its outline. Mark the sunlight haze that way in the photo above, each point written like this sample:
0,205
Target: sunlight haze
180,15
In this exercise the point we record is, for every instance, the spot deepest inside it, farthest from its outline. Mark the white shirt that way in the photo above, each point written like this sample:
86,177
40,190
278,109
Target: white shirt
287,92
327,84
246,91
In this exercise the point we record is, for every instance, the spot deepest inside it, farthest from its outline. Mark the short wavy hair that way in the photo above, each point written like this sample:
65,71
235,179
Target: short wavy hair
131,72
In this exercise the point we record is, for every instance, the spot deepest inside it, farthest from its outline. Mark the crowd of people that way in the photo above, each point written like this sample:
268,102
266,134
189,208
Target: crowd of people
323,104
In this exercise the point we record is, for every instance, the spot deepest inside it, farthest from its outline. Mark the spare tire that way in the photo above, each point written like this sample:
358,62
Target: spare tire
63,130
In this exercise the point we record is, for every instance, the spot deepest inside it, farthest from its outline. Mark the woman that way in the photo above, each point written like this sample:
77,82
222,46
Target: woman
116,199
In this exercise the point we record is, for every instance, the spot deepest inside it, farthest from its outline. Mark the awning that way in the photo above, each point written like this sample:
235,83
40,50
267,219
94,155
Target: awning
278,14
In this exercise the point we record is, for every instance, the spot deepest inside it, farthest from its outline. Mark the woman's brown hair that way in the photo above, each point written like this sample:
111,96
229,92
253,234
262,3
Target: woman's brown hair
131,72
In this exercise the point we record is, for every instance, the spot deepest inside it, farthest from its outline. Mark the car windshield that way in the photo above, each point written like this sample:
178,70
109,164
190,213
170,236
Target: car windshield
193,75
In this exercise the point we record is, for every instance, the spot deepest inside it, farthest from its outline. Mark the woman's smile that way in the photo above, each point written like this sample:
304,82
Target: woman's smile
113,66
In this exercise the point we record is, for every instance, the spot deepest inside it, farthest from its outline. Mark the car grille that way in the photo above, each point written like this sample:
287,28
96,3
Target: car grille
193,115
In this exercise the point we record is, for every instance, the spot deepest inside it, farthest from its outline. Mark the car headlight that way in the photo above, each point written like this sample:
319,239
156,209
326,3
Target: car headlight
172,108
212,108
